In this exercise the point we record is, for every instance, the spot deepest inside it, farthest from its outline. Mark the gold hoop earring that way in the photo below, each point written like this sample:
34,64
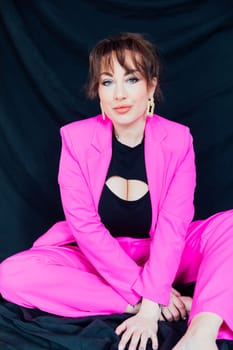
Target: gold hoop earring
102,111
150,107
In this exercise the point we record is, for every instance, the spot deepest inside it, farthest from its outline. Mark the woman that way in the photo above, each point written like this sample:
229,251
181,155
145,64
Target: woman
127,180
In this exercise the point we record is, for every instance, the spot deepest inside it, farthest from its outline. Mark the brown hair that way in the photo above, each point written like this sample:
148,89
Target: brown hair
145,58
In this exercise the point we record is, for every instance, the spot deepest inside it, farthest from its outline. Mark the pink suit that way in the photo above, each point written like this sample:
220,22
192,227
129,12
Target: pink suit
104,274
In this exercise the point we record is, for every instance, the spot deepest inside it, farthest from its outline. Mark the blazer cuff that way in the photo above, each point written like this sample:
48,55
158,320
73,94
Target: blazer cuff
156,293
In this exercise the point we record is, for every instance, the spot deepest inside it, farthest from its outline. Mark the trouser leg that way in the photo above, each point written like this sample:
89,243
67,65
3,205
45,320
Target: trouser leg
209,254
58,280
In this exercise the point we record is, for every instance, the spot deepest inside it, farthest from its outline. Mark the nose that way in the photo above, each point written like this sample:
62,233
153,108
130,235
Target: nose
120,92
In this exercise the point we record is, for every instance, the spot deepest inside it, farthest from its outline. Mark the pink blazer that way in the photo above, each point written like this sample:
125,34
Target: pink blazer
85,157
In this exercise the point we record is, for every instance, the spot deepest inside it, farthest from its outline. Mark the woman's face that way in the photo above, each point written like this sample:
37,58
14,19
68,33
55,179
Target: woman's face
124,94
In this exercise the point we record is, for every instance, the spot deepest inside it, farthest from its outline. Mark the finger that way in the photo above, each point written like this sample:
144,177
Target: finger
167,314
175,292
124,340
121,328
161,318
180,306
143,342
134,341
154,340
175,313
187,302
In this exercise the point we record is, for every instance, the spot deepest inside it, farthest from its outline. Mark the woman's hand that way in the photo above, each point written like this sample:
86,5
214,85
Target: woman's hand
179,307
138,329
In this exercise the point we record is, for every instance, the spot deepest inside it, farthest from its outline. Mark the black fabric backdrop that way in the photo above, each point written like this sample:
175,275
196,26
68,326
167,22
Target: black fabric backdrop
44,49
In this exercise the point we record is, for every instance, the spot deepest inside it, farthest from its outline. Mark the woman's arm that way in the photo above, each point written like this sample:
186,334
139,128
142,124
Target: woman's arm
155,281
174,215
102,250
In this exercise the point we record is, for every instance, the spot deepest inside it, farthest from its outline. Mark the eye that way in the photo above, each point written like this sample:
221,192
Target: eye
133,80
106,82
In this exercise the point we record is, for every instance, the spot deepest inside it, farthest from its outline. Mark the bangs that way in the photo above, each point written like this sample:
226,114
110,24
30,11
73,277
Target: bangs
126,59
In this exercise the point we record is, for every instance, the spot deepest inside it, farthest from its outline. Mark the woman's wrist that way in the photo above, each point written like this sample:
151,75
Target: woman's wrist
150,308
133,309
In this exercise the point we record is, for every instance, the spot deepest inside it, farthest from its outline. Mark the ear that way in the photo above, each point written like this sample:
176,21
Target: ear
152,87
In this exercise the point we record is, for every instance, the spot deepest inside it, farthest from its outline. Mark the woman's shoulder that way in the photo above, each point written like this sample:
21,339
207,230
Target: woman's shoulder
170,128
170,125
80,126
175,135
82,131
82,134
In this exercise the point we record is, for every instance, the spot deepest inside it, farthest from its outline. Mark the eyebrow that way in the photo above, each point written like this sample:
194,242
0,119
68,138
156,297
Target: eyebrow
130,71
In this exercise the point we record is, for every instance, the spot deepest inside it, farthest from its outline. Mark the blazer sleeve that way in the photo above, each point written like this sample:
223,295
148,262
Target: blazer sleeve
175,214
95,241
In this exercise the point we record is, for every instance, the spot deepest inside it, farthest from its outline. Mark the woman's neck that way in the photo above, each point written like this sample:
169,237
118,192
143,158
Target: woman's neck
130,136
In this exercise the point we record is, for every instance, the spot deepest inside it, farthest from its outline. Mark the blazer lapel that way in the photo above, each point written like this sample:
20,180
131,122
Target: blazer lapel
154,160
99,157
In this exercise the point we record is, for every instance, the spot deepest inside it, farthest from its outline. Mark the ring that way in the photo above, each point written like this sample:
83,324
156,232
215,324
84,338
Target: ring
141,348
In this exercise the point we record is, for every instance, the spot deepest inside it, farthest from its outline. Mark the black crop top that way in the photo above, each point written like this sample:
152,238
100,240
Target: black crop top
123,217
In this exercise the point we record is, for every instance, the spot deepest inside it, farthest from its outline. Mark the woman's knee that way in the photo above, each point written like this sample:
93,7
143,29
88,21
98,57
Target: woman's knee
220,230
17,271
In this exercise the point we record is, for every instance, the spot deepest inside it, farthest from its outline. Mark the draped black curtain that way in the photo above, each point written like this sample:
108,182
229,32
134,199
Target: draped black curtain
44,49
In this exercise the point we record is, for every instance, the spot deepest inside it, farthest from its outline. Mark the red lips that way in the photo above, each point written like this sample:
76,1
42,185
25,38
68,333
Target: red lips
122,109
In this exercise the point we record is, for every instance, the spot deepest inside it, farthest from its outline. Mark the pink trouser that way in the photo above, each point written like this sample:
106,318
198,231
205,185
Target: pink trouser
60,280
